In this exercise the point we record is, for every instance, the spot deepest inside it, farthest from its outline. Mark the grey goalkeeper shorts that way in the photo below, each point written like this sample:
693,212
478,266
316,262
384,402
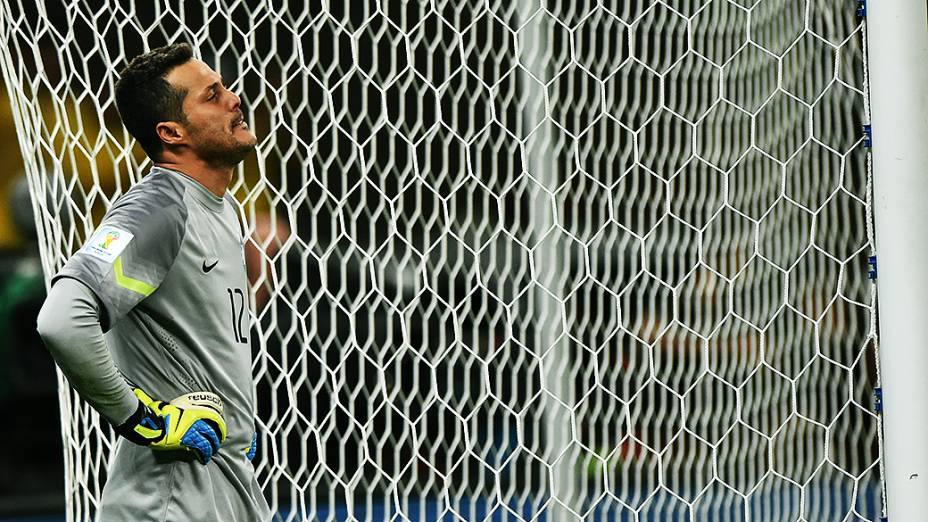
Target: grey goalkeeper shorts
149,486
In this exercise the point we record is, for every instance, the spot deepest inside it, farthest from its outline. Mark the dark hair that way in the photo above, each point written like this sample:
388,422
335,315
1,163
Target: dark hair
144,97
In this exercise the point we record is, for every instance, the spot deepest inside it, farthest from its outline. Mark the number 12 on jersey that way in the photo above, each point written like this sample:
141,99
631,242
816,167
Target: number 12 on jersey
238,303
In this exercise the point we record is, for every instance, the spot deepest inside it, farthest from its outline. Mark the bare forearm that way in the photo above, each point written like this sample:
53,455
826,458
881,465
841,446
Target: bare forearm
69,323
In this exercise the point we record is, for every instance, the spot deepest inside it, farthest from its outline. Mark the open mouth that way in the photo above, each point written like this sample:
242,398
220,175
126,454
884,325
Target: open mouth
239,122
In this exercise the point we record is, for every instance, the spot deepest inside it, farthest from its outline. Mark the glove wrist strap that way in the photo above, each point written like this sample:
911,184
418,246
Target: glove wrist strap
142,414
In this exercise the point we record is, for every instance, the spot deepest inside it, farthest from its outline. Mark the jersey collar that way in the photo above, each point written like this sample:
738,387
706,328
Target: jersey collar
198,191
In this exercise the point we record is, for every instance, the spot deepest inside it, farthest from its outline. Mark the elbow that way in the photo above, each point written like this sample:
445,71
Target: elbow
54,322
63,316
48,325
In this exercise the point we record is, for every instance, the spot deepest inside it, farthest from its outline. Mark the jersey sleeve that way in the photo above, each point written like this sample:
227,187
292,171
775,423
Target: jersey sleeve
130,253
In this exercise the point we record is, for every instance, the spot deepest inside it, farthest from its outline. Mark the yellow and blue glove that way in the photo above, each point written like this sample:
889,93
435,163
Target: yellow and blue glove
253,449
192,422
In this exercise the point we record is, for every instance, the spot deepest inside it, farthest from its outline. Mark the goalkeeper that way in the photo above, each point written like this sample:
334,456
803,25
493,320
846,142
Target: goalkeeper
149,319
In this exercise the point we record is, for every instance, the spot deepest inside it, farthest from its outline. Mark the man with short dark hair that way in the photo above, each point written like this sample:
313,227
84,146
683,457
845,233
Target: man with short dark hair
164,277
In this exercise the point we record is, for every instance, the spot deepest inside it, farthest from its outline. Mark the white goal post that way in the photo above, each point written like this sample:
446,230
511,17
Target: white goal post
515,259
898,66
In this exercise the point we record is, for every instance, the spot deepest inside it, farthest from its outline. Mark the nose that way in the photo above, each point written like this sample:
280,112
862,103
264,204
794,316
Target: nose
236,101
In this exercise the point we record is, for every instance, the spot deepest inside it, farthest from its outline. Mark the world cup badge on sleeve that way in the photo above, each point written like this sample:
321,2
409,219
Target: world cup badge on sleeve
107,243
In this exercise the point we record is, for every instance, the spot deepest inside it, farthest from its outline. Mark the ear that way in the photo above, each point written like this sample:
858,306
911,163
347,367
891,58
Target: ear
171,133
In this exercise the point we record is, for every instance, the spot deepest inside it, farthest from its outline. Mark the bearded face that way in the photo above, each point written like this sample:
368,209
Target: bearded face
223,142
215,126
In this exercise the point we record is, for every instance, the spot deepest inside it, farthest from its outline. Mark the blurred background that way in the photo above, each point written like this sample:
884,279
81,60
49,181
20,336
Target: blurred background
31,470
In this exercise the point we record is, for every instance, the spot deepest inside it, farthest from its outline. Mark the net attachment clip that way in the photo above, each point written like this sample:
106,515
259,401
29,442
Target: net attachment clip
871,274
878,400
868,136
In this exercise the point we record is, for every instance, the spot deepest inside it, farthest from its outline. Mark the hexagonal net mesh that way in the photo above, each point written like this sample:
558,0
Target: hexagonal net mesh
515,260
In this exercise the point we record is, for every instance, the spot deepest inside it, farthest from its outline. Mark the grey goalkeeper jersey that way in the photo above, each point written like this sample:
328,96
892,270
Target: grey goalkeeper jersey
167,265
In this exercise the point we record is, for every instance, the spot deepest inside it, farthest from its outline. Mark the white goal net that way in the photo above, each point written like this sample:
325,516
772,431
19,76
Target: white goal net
512,259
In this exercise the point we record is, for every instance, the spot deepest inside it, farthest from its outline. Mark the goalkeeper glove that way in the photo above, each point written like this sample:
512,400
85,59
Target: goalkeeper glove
192,422
253,449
